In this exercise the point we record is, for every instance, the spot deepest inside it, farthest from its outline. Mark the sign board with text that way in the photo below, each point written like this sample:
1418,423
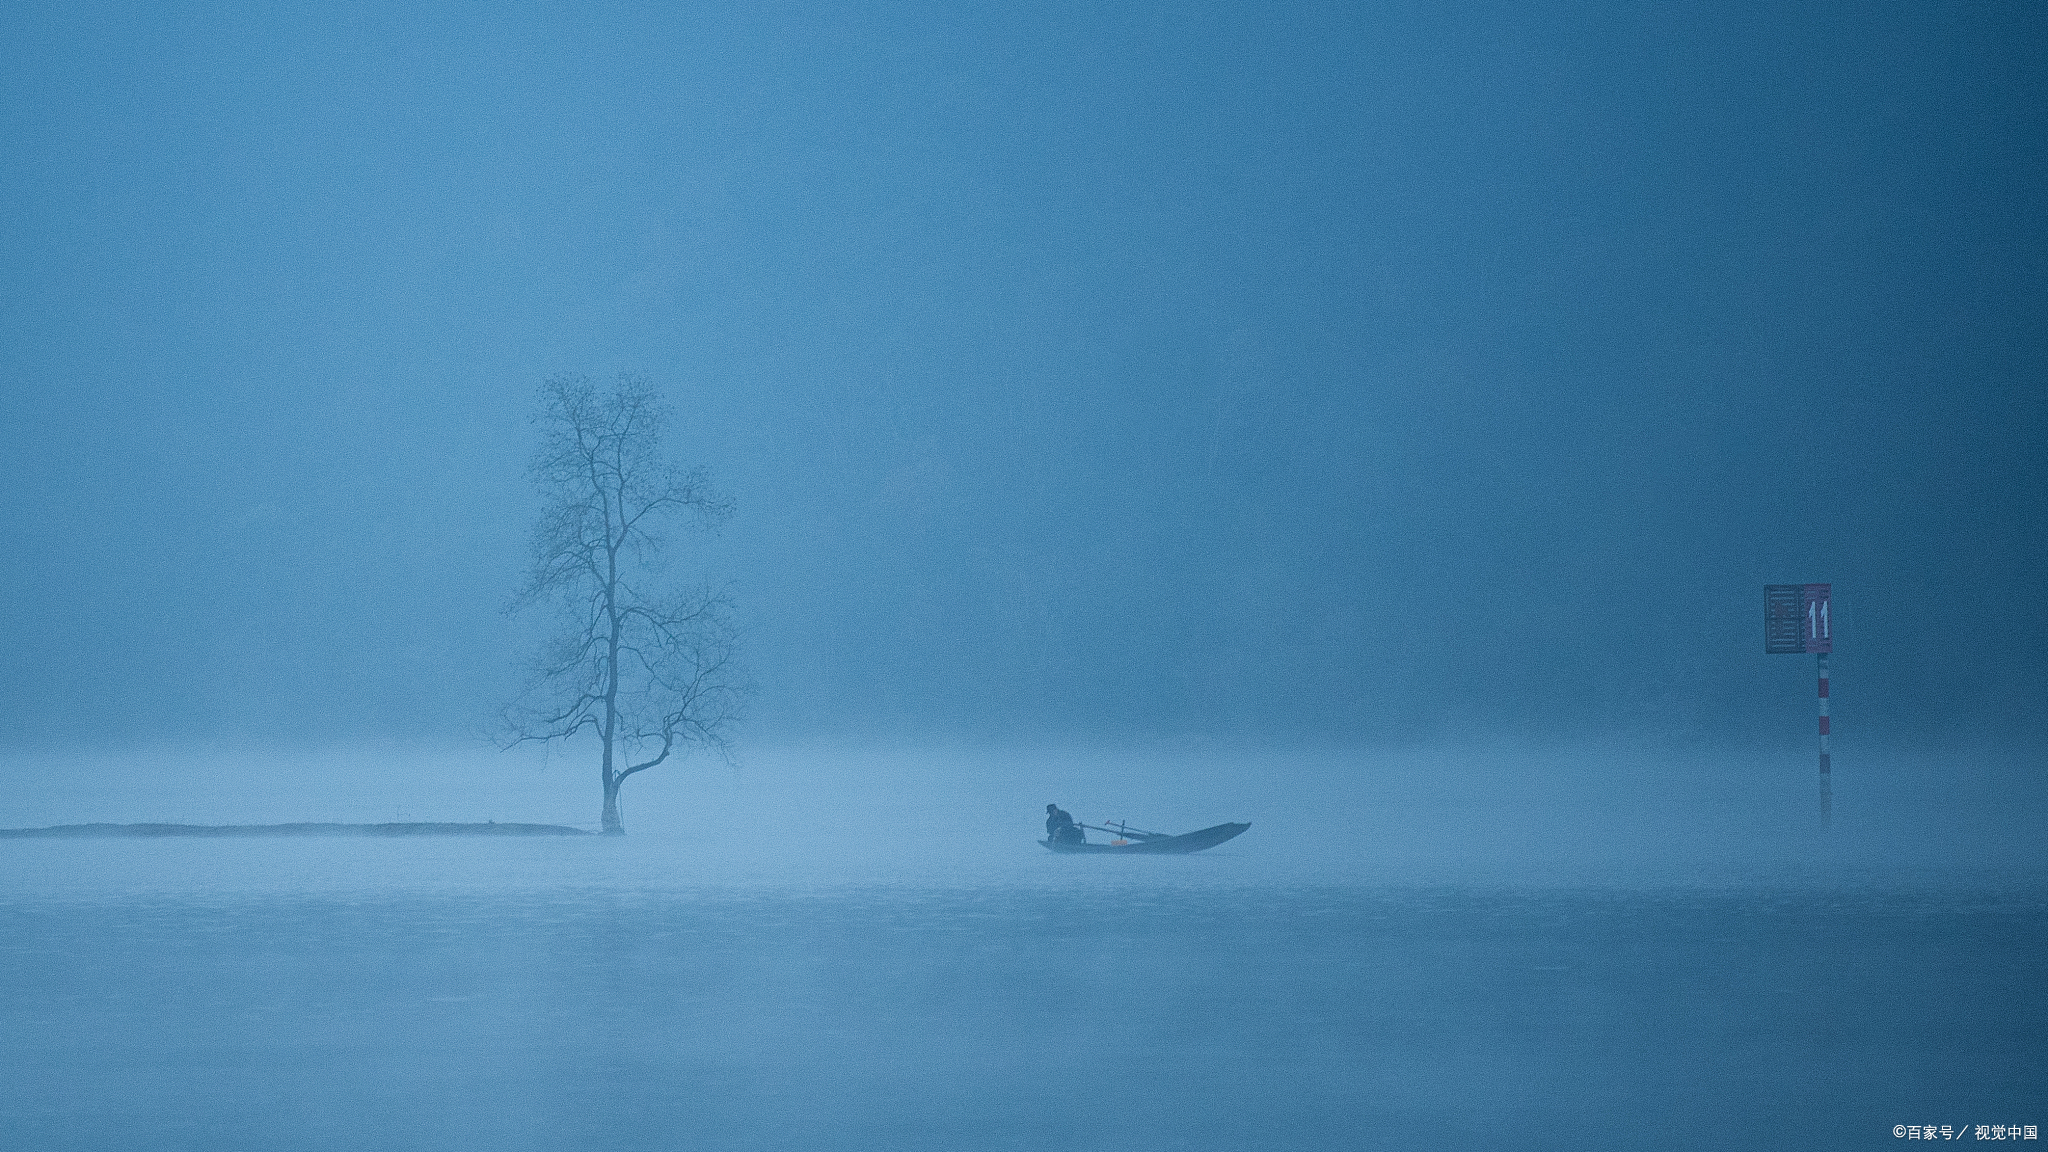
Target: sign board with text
1796,619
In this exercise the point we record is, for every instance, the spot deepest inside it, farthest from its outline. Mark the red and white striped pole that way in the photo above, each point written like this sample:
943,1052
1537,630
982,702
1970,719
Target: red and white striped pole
1796,620
1826,783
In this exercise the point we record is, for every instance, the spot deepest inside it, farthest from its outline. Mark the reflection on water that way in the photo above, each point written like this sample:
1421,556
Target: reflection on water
227,995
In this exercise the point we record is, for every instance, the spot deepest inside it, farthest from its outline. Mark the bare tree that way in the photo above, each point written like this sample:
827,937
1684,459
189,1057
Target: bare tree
649,668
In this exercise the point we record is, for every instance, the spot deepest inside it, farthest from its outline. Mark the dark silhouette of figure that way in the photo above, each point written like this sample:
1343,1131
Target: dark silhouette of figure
1060,827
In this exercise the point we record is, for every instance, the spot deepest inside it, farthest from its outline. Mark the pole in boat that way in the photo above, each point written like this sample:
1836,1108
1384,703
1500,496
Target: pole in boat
1122,829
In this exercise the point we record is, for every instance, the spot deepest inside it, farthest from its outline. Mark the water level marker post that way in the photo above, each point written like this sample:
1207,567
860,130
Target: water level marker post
1796,620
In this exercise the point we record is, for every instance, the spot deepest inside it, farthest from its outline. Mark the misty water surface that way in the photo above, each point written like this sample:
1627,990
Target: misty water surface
826,975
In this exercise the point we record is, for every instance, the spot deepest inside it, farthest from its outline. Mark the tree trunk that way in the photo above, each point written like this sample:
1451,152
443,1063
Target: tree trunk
613,826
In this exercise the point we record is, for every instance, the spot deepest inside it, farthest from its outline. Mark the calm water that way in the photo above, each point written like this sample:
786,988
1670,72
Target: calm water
577,994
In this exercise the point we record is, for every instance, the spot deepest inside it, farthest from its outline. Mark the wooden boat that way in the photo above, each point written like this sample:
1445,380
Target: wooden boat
1157,844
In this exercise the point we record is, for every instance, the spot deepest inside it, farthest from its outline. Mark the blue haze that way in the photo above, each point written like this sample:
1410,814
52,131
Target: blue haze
1320,373
1372,421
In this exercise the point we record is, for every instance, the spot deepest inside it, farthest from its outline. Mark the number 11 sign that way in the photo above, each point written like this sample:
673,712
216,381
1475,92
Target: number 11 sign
1796,620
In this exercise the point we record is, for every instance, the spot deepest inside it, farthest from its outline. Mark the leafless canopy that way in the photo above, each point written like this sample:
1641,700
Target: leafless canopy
646,666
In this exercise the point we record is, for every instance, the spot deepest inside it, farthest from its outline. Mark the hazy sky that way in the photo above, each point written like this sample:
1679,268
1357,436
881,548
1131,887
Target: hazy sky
1276,372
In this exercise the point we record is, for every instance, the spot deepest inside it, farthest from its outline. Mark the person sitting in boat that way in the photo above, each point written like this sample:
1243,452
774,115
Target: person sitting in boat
1060,827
